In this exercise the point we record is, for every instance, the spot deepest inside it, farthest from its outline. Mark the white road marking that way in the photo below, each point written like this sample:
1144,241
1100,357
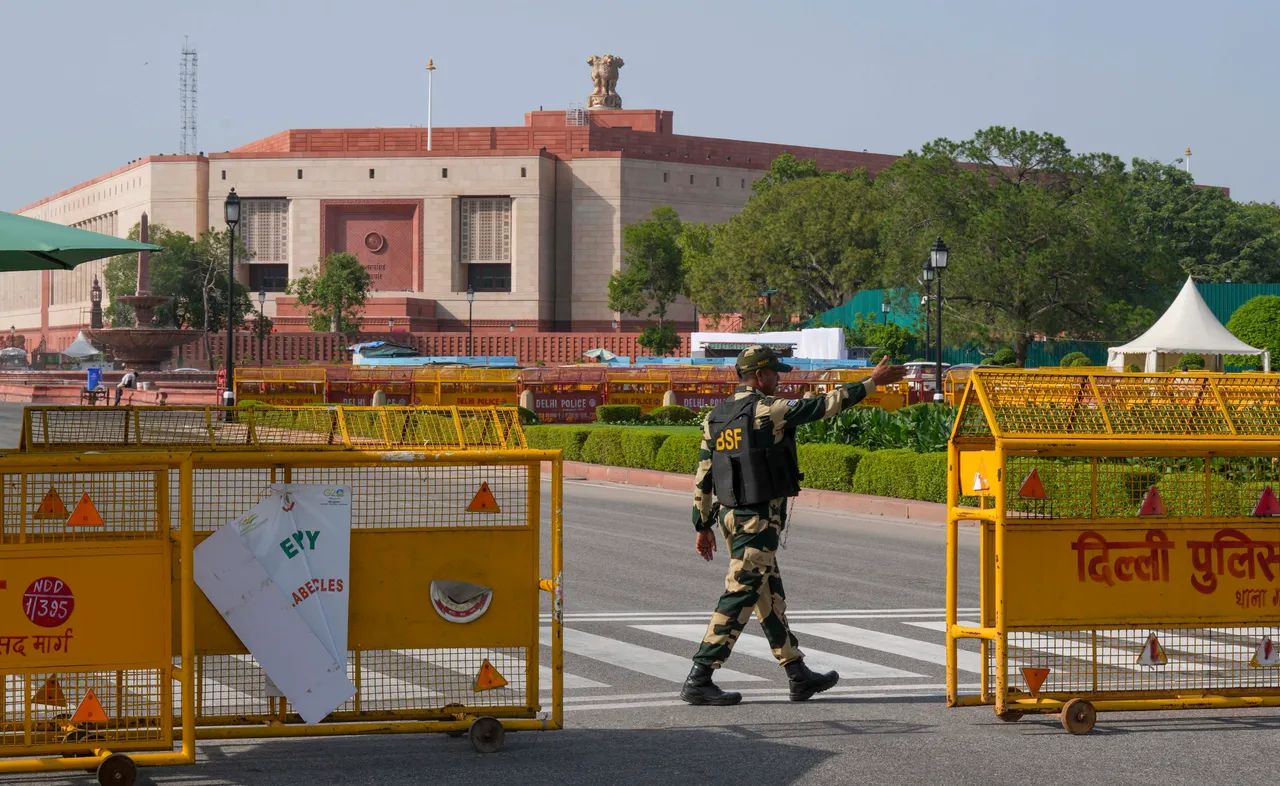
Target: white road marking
757,647
655,663
914,649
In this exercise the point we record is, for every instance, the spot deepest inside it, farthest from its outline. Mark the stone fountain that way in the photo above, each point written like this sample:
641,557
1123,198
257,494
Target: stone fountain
145,347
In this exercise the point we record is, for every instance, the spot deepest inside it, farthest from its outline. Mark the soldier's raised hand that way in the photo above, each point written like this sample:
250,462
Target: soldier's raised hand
885,374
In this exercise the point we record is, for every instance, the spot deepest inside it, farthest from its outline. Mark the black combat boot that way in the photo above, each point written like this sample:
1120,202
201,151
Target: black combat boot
805,683
699,689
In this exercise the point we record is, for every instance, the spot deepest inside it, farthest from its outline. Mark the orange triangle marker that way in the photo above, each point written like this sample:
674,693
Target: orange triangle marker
1268,505
483,501
50,694
90,710
1035,678
1152,505
51,506
980,482
1152,653
1267,654
85,514
1032,488
488,678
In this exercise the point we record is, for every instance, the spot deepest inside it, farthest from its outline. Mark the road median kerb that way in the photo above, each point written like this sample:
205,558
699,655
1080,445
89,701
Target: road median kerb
838,501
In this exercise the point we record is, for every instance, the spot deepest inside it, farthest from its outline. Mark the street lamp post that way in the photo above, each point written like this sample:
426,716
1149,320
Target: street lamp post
262,321
471,299
391,324
926,277
884,312
231,212
938,261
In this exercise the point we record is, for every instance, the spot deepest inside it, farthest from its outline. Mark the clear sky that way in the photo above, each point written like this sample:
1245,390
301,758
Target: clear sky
91,85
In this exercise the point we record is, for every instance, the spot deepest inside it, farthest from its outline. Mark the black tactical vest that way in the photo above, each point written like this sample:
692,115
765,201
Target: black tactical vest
743,472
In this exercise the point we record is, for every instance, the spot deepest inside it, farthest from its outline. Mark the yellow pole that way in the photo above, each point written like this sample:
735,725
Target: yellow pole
1002,631
535,520
186,490
953,549
557,597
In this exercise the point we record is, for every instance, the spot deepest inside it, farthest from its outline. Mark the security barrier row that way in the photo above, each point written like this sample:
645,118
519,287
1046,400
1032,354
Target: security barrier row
1129,542
111,647
560,395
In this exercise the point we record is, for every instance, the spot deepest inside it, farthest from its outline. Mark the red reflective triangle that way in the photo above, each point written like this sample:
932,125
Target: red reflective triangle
1032,488
1035,679
1152,505
1268,505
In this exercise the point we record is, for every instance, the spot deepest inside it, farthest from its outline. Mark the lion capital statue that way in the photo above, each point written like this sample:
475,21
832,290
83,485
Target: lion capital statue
604,78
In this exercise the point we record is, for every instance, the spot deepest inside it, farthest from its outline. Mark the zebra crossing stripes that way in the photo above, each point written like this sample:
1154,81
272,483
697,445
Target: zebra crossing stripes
655,663
757,647
915,649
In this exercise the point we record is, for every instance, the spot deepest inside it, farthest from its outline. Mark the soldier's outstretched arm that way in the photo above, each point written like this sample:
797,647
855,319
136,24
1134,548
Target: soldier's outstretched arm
797,412
703,487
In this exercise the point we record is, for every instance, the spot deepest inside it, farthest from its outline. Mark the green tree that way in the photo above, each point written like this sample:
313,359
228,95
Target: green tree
659,339
335,292
786,168
192,272
652,275
815,241
1256,323
1038,234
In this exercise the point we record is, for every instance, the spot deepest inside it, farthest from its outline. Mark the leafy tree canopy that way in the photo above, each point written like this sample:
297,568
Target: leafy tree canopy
335,292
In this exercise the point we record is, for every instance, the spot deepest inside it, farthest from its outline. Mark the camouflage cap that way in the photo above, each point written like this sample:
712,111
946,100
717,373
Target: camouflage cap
758,356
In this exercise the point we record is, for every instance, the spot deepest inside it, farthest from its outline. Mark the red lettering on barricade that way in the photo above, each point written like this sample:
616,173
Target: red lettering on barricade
1153,566
1264,554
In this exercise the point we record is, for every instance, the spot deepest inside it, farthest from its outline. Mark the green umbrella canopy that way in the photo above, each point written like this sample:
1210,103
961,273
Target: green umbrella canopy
31,244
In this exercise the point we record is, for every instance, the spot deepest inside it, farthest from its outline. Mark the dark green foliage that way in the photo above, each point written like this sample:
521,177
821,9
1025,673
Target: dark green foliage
1004,357
674,415
1081,362
618,413
931,477
887,473
921,427
528,417
679,453
640,448
568,439
1071,357
1191,362
829,467
604,446
1256,323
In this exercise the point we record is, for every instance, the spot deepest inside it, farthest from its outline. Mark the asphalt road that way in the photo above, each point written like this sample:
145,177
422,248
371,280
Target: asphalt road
866,595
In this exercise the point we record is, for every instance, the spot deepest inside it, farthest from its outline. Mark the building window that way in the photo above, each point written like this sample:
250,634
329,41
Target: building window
271,278
489,278
523,172
717,182
264,228
371,174
486,229
743,184
664,177
299,174
690,179
444,171
224,174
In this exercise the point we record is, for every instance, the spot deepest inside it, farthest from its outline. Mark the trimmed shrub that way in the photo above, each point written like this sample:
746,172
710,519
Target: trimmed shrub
679,453
568,439
829,467
674,415
1004,357
887,473
1256,323
1191,362
1133,368
931,477
991,361
528,417
617,413
604,446
640,449
1070,358
1082,363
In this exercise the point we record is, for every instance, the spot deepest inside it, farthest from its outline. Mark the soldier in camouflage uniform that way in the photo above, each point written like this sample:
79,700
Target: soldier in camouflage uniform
748,460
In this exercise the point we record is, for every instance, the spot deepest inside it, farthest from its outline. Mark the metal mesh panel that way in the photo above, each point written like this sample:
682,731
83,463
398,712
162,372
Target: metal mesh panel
1039,403
1252,401
127,502
248,428
973,421
132,700
1162,405
1106,660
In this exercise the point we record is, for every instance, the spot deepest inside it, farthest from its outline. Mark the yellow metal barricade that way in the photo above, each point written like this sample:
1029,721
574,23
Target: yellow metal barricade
58,429
281,386
88,663
1129,541
414,522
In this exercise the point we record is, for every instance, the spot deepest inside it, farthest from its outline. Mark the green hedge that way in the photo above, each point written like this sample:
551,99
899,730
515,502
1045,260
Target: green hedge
641,450
674,415
568,439
679,454
617,413
887,473
830,467
931,477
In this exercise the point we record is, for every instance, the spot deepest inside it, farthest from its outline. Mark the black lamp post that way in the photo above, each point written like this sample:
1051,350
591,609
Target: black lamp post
884,312
471,299
231,212
938,262
262,321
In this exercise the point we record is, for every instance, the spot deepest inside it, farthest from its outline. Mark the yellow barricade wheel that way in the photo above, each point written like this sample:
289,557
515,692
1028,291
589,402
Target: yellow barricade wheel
1010,716
1078,716
117,770
487,735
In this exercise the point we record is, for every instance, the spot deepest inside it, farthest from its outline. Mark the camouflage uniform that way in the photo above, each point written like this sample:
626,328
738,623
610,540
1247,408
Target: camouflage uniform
752,532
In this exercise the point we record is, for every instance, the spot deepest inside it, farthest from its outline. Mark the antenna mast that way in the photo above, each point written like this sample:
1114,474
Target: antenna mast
187,98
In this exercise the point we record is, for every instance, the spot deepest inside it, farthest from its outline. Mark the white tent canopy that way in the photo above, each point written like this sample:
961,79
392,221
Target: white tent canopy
1188,327
81,348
